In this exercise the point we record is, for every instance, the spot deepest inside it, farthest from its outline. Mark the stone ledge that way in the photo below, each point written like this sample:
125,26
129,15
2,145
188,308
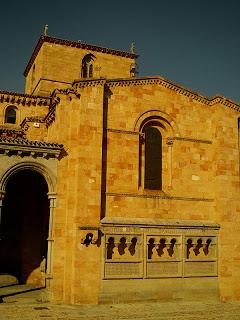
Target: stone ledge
143,222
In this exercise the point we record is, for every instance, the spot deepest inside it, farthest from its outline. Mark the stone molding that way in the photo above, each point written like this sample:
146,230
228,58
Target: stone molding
55,100
149,223
88,83
159,248
50,117
161,117
23,99
24,147
11,132
68,91
171,139
24,124
123,131
156,196
175,87
75,44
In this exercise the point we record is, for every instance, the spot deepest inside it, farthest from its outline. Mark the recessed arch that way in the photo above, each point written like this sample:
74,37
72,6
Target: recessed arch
163,118
155,153
152,157
34,166
87,67
27,211
10,115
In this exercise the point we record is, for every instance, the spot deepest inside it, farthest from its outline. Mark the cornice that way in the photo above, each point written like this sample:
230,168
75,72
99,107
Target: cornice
151,222
55,99
11,132
143,81
24,123
74,44
226,102
24,147
68,91
88,83
50,117
23,99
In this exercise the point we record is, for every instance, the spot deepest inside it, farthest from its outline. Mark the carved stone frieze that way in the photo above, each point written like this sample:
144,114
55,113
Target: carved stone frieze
176,249
88,83
25,123
23,99
24,147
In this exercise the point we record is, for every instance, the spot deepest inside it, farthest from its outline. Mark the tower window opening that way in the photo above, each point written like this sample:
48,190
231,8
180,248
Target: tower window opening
11,115
87,66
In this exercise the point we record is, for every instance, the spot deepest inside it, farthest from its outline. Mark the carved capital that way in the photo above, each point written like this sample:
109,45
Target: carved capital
169,141
90,236
142,138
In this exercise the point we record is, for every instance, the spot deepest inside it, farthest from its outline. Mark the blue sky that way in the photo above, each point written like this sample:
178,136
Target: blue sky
193,43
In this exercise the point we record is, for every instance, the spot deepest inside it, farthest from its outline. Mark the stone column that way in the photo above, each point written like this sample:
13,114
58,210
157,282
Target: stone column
169,161
2,195
141,160
50,239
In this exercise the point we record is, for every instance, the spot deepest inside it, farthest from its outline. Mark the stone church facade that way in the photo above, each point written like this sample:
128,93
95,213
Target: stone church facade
115,187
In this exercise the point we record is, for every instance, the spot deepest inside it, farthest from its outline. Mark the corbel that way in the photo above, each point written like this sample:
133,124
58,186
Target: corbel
169,141
90,235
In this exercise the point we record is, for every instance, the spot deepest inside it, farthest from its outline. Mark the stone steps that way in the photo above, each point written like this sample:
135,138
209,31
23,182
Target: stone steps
7,280
16,289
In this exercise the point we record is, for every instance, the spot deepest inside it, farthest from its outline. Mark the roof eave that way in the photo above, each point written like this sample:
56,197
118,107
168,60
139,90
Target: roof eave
76,44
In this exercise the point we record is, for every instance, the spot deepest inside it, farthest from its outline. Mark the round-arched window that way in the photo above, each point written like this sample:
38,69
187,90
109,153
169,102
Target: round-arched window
153,158
87,66
11,115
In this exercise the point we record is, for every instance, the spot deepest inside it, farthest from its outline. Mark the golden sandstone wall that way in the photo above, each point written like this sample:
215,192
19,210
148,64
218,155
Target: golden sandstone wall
58,65
203,174
200,173
78,125
100,175
23,110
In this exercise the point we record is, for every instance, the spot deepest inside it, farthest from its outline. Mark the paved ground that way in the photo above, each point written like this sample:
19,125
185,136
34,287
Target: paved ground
28,307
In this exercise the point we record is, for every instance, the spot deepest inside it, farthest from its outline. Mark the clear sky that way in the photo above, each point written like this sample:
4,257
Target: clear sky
193,43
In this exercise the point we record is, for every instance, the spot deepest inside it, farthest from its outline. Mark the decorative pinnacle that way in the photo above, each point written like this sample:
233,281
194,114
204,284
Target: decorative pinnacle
133,48
46,30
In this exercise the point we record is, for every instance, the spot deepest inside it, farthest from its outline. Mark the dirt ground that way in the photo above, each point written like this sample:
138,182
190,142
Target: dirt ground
29,307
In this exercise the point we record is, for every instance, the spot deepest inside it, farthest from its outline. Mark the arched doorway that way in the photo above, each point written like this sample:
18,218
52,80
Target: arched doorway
24,227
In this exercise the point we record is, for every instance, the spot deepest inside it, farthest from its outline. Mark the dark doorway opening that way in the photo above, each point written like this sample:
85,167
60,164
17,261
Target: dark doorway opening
24,228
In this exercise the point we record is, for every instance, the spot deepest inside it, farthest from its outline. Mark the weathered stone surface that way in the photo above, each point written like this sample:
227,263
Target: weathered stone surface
102,217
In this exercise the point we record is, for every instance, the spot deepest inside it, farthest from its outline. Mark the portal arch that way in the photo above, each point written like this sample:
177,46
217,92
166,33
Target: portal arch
36,170
30,165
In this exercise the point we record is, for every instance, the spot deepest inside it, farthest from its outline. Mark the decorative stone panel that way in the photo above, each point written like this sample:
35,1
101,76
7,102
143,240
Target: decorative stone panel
159,249
123,256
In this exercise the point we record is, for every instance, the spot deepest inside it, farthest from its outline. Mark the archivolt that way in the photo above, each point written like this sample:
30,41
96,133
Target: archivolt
34,166
166,120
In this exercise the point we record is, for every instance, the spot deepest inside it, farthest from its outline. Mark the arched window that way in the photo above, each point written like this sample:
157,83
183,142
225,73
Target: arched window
156,131
10,115
153,158
87,66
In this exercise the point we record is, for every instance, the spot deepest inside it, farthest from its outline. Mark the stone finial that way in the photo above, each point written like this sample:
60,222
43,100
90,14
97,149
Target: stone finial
46,30
133,48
